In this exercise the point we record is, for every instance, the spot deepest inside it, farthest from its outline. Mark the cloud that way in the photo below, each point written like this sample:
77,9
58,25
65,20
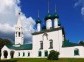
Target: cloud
8,18
82,11
81,4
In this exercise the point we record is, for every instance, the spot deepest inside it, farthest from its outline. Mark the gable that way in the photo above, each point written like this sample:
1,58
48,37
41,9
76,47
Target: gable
5,48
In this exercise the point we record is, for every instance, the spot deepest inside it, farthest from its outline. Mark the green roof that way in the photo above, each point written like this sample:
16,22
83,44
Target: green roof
67,43
20,47
49,16
38,21
55,16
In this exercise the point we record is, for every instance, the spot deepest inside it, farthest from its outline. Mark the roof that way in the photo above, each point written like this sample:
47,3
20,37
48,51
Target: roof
20,47
67,43
49,16
55,16
38,21
42,31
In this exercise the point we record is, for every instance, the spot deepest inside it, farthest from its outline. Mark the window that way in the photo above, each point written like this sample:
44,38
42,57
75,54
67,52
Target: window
41,44
23,54
39,53
19,54
51,43
45,35
19,28
76,51
28,54
16,34
19,34
46,53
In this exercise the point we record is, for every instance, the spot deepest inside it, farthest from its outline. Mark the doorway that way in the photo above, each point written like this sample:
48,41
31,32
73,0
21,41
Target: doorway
12,54
5,54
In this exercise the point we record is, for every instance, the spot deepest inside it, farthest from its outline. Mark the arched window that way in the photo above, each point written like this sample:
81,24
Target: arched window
19,54
39,53
41,44
12,54
23,54
76,51
5,54
45,35
28,53
46,53
19,34
51,43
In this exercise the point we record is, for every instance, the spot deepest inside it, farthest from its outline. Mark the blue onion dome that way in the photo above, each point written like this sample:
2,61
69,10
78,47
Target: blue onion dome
55,16
38,21
49,16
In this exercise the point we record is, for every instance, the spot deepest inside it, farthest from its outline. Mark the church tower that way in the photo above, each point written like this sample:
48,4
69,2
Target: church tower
48,19
38,22
19,31
56,19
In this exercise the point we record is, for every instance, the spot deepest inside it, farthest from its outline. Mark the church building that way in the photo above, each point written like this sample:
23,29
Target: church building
50,37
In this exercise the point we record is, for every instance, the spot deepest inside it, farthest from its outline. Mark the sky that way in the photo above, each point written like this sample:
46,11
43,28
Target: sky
71,16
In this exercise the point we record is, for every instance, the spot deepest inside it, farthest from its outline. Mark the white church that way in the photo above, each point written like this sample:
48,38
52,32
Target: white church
43,41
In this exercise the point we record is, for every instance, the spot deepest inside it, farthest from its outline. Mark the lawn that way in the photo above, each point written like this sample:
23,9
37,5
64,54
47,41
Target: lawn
43,60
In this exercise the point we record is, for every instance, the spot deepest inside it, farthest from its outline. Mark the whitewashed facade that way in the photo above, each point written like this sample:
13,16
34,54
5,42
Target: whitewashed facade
43,41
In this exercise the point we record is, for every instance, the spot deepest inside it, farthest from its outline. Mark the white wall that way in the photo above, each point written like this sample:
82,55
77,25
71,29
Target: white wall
68,52
56,36
16,54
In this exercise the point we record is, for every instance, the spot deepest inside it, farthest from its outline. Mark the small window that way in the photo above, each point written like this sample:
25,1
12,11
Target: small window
76,51
51,44
19,34
46,53
41,44
28,54
39,53
19,54
23,54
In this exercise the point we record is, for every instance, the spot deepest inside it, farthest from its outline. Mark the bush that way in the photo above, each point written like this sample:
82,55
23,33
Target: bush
53,55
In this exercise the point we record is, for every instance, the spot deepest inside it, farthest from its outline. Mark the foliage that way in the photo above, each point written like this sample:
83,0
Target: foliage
81,43
53,55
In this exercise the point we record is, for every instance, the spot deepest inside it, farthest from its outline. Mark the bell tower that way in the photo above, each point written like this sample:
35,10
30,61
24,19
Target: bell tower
19,38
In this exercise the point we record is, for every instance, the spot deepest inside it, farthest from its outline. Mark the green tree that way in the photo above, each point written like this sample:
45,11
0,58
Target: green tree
81,43
53,55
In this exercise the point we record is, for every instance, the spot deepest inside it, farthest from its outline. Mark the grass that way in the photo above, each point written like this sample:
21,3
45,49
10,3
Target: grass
44,60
